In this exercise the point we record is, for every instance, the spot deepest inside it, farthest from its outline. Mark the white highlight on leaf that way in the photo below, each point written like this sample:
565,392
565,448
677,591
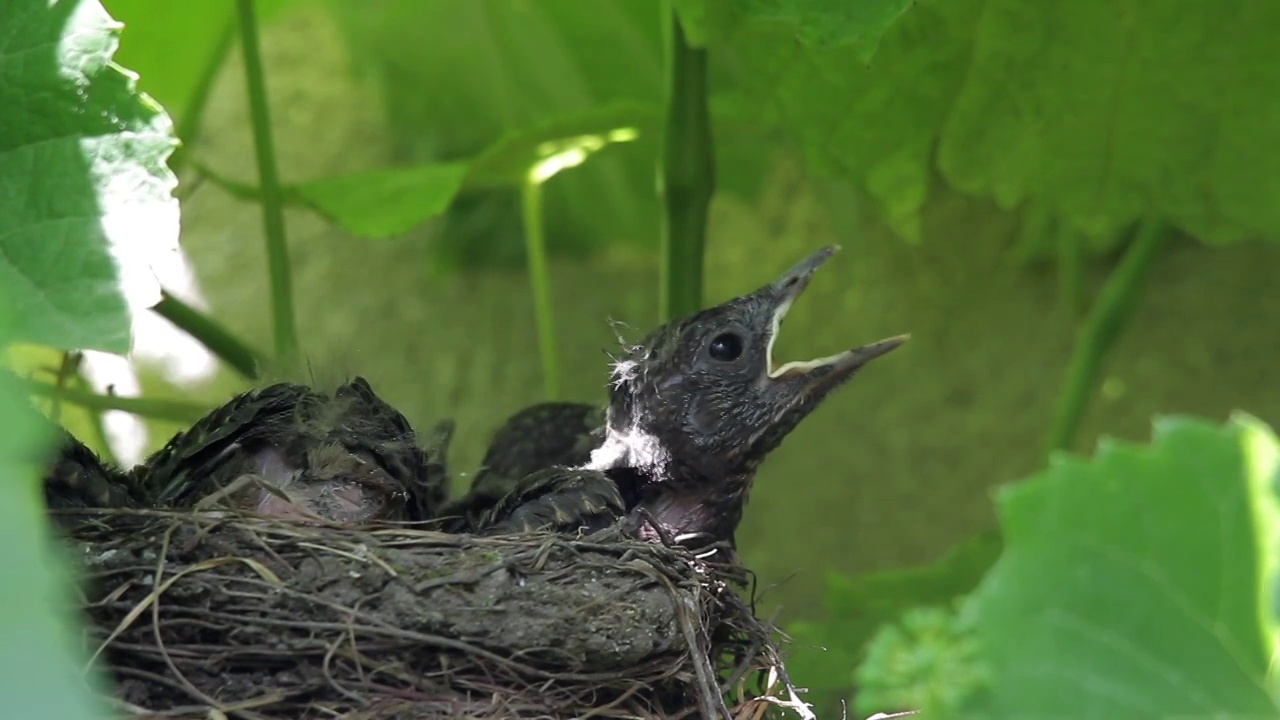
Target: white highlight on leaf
560,155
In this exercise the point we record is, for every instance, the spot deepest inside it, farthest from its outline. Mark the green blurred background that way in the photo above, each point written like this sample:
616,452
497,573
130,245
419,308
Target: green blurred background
815,144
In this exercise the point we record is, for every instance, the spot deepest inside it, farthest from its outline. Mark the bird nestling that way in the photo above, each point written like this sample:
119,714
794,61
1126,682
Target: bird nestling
289,451
696,407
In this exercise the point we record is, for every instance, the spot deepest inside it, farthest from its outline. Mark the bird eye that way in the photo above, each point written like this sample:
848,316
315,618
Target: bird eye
725,347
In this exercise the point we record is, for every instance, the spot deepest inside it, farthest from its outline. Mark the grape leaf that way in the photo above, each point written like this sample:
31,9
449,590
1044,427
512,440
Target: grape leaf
833,22
1139,584
178,47
1101,112
85,198
878,122
1111,111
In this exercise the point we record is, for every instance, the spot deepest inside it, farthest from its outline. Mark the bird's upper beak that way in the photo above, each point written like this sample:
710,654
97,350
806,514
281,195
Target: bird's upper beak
826,372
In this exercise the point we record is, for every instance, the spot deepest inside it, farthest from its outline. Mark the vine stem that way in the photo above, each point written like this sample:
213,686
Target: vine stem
1101,329
174,410
282,313
540,283
212,334
686,174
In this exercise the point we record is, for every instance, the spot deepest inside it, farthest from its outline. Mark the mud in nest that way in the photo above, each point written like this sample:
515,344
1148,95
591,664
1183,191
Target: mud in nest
217,615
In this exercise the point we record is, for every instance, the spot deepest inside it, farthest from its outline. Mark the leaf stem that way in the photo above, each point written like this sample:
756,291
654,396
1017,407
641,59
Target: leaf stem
284,324
174,410
540,284
1101,328
97,423
212,334
686,175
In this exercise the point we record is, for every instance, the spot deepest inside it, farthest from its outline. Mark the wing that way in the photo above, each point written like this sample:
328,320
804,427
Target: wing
175,474
538,437
78,478
556,499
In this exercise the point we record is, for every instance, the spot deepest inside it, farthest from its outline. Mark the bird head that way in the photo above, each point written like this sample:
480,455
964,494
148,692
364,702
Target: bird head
703,392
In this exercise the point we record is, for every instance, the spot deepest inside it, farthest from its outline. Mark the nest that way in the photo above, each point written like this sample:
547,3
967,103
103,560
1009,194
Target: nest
214,615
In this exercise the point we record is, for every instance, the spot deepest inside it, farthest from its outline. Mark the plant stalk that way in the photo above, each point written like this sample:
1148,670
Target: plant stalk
540,284
686,175
212,334
282,314
174,410
1101,329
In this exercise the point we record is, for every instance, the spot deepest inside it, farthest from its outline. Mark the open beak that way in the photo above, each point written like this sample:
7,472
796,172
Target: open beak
826,371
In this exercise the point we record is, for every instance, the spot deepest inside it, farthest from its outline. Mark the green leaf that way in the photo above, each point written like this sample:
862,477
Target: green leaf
1103,112
1114,110
85,197
172,45
1139,584
504,67
833,22
384,203
177,47
561,143
388,202
42,653
875,122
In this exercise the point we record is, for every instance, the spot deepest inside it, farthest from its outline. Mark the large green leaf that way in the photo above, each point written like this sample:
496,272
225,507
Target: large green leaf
85,197
877,123
1114,109
177,47
173,46
1103,111
1140,584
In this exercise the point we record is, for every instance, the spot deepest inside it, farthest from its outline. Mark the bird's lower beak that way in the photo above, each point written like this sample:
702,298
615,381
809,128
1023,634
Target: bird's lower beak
823,372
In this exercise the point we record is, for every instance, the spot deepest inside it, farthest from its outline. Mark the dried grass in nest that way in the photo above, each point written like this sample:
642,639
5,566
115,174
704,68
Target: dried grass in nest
220,615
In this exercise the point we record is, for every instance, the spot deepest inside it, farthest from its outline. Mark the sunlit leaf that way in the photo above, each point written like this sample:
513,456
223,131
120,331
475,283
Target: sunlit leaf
176,46
1139,584
560,143
85,197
